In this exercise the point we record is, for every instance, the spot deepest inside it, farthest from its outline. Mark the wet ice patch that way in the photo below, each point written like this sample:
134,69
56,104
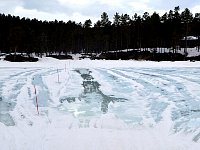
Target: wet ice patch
156,110
6,106
7,119
41,91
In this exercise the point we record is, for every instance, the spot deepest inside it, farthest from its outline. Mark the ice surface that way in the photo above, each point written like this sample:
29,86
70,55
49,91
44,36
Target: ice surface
41,91
102,105
6,119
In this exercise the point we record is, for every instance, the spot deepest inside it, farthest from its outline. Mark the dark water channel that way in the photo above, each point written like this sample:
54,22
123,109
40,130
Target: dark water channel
92,92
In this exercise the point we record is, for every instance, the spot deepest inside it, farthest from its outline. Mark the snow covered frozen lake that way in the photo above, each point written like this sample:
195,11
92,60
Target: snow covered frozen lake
100,105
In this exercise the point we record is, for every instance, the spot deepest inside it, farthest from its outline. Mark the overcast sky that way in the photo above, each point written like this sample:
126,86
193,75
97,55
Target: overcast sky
81,10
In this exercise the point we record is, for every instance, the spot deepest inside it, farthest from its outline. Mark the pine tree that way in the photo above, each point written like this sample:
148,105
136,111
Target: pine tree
105,20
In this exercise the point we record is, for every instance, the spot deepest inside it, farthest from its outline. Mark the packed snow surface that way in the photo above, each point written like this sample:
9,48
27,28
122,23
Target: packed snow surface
99,105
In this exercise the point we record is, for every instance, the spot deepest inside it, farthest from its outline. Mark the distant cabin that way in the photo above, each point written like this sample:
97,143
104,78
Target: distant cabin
192,41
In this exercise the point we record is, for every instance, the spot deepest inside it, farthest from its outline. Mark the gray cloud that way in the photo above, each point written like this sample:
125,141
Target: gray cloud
170,4
81,9
42,5
7,6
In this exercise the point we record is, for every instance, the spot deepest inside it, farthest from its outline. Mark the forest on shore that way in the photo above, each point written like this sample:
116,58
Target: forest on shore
24,35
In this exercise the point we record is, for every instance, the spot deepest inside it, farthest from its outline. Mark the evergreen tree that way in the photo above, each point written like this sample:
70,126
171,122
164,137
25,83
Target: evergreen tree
187,18
105,20
87,24
116,20
149,31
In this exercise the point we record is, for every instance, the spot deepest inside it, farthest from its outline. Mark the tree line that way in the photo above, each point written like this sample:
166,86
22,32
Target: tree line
26,35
